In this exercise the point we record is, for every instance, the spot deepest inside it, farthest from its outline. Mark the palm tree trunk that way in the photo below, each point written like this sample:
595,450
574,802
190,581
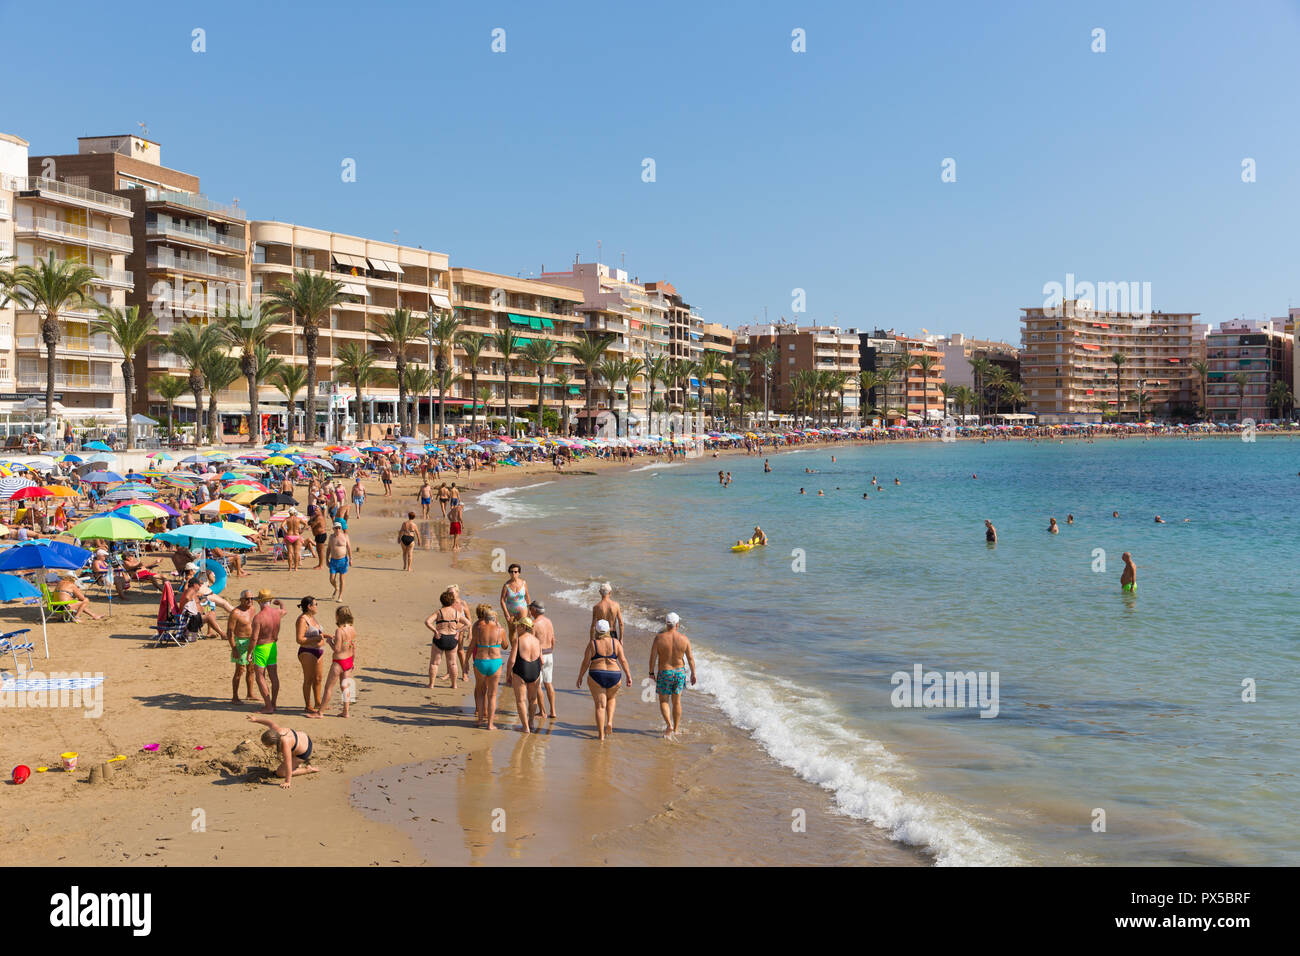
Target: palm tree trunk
254,420
169,419
510,415
361,414
198,414
473,399
212,417
541,379
128,383
403,415
309,334
442,409
50,346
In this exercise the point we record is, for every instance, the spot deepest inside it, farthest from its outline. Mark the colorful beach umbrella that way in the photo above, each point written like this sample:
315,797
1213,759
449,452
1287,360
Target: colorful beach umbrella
96,446
109,527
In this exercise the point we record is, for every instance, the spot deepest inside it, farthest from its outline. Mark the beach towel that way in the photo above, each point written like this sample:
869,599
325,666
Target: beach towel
167,607
22,685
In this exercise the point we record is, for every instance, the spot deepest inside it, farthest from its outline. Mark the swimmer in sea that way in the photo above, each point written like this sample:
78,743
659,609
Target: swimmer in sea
1128,579
1114,514
1052,527
897,482
801,491
990,532
1069,519
1159,520
759,536
821,494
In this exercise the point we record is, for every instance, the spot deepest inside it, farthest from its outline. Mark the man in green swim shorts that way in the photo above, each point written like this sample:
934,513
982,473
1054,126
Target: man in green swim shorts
265,634
239,630
669,653
1128,579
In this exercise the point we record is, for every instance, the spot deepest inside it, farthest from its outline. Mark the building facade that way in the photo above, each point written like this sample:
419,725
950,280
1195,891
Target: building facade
1246,360
1069,375
814,348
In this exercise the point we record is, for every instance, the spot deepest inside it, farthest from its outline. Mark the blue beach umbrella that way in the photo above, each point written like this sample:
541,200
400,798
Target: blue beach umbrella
72,458
276,446
204,536
13,588
101,477
39,557
96,446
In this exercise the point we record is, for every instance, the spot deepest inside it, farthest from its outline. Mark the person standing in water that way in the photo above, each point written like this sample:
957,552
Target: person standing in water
1128,579
605,666
514,598
607,610
990,532
408,536
544,631
1052,527
525,663
670,649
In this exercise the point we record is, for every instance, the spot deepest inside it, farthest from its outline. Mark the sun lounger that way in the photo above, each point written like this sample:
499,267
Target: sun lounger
9,644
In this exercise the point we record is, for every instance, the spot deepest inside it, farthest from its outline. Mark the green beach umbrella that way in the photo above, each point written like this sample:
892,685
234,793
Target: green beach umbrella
109,528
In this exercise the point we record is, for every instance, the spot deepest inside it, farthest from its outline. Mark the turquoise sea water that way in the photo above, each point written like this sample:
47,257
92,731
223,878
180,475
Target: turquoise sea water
1129,705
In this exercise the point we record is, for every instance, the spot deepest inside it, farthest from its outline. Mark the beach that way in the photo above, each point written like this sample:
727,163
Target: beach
753,779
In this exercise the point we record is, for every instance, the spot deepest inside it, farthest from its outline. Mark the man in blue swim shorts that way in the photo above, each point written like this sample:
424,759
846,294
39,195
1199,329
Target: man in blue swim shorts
671,650
339,549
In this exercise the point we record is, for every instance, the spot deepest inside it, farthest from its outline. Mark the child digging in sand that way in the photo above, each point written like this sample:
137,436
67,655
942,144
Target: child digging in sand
344,644
294,748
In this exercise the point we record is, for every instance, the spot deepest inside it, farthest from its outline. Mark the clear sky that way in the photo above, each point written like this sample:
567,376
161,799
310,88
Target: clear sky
774,170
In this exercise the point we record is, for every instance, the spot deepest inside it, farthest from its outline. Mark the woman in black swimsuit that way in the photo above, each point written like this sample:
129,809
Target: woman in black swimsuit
293,746
447,624
605,666
525,664
408,535
311,646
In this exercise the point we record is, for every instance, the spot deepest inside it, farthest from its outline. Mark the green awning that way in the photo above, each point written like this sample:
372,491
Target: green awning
547,324
574,390
535,323
521,341
517,319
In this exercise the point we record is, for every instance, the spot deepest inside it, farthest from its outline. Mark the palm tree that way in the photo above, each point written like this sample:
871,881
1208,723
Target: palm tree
267,364
51,287
415,381
507,343
443,381
631,369
589,352
221,371
949,393
130,332
677,372
740,381
839,383
442,329
289,381
1118,358
1242,380
1202,370
245,330
884,377
309,296
767,358
169,388
964,397
191,343
357,363
562,380
981,367
710,362
998,379
484,396
656,372
925,363
540,353
1280,398
1015,393
398,329
611,370
473,344
903,365
689,369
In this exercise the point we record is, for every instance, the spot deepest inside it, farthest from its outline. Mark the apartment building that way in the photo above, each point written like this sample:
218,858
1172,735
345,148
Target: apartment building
1068,374
959,350
487,303
818,348
639,319
188,256
52,208
1246,359
911,392
377,278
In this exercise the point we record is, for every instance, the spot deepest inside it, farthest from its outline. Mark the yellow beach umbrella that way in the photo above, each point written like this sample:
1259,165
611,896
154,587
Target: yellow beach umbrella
278,460
60,491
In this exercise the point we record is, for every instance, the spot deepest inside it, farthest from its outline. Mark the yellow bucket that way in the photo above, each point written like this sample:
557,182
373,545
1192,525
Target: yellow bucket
69,760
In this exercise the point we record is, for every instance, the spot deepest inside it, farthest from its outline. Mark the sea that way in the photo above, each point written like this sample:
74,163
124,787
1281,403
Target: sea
980,704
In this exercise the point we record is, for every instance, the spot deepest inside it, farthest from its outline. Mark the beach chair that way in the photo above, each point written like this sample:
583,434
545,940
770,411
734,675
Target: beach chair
170,629
57,609
9,644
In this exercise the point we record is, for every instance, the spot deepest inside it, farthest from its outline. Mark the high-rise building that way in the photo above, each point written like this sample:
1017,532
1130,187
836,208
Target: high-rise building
1246,359
911,391
1068,370
487,303
814,348
53,209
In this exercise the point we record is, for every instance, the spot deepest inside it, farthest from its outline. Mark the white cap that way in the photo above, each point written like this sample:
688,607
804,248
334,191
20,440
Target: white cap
672,618
192,566
602,627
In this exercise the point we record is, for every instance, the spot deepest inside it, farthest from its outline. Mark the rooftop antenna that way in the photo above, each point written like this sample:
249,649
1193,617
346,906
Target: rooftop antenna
599,246
144,130
236,202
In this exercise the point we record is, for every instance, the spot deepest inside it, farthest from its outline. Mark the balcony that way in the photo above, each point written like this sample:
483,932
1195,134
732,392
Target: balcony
108,276
54,191
70,232
157,227
195,266
196,201
103,383
98,345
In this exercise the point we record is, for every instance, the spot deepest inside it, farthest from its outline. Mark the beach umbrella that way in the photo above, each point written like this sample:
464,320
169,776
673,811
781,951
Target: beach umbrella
234,527
274,498
99,477
72,458
14,588
203,536
101,459
221,507
12,485
129,491
276,446
109,527
61,491
159,456
28,492
143,510
278,460
96,446
40,557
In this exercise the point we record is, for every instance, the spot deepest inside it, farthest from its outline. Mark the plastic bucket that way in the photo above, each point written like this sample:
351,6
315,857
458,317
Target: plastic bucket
69,760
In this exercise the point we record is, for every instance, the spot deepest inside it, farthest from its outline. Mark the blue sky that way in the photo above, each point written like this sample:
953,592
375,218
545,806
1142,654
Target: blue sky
774,170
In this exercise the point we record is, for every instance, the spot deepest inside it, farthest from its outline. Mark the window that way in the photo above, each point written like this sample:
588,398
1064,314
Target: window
792,359
791,348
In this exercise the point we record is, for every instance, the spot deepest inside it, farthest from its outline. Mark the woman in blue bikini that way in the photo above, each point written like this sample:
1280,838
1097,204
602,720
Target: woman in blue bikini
605,666
487,638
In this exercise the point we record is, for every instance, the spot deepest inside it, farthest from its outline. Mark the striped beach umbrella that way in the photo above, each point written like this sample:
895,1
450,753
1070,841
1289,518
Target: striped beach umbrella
15,483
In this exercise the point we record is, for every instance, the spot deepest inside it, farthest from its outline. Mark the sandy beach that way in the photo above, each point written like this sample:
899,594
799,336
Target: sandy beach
407,779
